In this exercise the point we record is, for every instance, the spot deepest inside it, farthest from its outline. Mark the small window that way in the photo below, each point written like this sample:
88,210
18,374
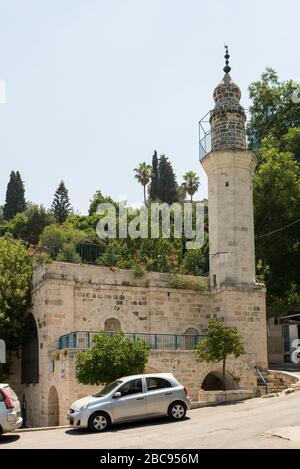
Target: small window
1,397
157,383
214,280
132,387
227,184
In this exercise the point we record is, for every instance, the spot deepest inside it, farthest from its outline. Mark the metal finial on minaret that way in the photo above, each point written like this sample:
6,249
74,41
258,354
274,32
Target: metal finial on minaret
227,57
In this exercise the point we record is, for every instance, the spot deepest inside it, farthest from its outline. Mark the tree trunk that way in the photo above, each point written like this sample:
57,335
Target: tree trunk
144,195
224,382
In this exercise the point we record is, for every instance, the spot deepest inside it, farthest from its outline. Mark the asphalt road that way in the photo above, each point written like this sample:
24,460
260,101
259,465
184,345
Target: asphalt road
249,424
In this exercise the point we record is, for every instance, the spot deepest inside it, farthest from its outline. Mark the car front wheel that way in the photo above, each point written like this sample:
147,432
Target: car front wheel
177,410
99,422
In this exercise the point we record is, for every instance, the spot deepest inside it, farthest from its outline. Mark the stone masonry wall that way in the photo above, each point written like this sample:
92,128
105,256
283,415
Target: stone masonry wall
70,297
231,226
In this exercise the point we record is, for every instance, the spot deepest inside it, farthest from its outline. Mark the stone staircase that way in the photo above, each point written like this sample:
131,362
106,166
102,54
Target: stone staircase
277,381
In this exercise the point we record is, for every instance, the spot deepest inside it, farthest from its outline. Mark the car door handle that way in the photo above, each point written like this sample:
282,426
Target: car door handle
140,398
168,393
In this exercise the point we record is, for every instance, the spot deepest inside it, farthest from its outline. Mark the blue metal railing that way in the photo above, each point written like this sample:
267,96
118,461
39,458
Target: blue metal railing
262,378
83,340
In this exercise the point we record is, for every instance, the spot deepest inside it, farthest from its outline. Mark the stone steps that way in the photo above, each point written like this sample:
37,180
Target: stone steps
277,381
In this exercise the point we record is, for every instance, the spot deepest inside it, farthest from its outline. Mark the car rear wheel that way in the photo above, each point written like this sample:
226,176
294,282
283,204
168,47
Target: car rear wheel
99,421
177,410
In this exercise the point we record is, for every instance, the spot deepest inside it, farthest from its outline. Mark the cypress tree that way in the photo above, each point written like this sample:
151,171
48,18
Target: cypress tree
168,190
61,206
154,185
15,196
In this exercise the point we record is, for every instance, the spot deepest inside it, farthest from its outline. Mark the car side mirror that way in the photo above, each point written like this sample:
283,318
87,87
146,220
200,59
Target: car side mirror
117,394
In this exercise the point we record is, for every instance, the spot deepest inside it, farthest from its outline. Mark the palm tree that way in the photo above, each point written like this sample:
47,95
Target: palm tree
191,183
143,175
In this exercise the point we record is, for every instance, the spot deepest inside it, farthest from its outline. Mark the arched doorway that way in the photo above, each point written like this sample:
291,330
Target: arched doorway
112,325
213,381
30,353
190,340
53,407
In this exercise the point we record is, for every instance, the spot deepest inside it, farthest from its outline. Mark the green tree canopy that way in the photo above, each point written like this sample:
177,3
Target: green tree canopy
61,206
154,185
274,134
168,189
111,357
291,143
15,196
272,111
15,277
97,199
191,183
219,343
143,175
55,238
195,261
276,189
29,224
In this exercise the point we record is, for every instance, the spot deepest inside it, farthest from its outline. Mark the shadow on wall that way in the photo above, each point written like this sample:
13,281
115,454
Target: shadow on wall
214,381
30,353
53,407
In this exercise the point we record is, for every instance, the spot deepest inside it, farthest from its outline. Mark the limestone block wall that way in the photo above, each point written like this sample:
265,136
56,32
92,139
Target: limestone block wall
71,297
230,211
182,364
246,310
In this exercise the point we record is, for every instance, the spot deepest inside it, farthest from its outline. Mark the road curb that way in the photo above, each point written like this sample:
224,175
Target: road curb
39,429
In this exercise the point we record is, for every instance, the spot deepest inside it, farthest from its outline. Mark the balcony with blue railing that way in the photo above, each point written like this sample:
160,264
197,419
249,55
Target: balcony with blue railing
83,340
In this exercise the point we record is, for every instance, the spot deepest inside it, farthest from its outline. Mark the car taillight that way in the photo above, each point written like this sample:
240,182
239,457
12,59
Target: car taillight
7,400
185,391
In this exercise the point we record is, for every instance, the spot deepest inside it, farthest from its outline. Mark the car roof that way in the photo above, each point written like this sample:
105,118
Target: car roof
149,375
3,385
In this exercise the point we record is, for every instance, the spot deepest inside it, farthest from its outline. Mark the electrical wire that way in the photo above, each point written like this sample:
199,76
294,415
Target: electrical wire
278,229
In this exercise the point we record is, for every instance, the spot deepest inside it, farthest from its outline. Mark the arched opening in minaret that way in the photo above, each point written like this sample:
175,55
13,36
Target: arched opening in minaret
214,382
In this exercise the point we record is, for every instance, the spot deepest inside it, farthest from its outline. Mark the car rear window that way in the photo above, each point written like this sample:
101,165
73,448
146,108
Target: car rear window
157,383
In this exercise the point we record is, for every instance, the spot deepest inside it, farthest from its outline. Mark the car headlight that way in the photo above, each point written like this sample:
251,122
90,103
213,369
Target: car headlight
83,407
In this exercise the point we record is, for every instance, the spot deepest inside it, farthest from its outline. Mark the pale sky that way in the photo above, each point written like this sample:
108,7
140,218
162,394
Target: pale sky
94,86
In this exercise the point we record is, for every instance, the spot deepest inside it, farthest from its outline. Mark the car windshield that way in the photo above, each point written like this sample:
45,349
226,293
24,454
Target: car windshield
108,388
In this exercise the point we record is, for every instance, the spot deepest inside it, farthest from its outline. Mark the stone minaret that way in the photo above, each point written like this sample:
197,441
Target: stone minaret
235,297
229,167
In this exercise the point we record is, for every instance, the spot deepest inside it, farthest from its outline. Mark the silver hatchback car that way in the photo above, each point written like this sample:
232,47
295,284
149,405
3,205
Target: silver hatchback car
10,418
131,398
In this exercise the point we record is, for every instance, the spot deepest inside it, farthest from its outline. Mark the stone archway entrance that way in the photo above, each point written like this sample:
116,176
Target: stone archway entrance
53,407
213,381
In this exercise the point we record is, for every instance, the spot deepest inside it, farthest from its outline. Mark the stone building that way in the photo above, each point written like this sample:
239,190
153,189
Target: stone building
72,302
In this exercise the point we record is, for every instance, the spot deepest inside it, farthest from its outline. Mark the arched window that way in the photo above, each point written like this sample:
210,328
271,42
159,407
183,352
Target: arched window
191,338
112,325
30,354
